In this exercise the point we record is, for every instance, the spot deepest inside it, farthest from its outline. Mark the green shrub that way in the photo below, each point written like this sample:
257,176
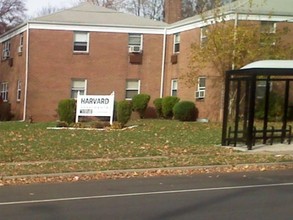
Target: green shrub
168,103
5,111
185,111
140,104
276,106
124,109
66,110
158,105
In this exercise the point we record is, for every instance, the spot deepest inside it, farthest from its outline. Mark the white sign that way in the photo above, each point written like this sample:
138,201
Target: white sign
95,105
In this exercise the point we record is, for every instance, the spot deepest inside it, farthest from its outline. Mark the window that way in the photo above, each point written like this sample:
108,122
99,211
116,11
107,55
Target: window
261,88
135,42
176,48
81,42
268,27
132,88
201,88
268,30
5,50
174,87
20,48
4,91
78,86
18,91
203,36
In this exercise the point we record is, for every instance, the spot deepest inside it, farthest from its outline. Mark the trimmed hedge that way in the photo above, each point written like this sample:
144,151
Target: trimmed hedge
140,103
185,111
168,103
66,110
124,110
158,105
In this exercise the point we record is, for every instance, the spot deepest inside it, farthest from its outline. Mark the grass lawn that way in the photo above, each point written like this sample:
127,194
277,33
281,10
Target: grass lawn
34,149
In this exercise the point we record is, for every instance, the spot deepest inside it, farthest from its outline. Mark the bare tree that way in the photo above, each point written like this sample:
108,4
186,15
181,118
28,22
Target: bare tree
46,10
12,13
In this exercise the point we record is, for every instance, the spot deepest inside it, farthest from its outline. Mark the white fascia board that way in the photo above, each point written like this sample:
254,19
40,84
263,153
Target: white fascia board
13,33
92,28
254,17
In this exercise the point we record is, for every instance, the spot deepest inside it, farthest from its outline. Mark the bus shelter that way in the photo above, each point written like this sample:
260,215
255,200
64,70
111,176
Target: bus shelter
258,104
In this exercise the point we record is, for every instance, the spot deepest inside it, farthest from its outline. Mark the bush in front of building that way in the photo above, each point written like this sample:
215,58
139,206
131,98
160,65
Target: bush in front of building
124,110
168,103
185,111
158,105
66,110
5,111
140,103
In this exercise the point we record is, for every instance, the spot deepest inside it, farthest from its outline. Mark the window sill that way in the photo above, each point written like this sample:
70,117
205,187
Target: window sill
81,53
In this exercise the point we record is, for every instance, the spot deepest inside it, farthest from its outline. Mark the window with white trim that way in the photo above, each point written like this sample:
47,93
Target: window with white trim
176,47
268,30
4,91
78,86
132,88
201,88
203,36
135,42
18,91
20,47
6,50
174,87
81,42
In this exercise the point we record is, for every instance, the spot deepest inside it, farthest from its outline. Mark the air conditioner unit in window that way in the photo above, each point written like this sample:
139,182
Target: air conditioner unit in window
200,94
20,48
134,49
6,54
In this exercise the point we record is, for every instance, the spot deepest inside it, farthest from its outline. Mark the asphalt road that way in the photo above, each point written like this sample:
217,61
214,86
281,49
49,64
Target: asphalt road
253,195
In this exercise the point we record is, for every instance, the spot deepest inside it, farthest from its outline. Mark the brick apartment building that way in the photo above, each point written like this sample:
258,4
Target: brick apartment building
94,50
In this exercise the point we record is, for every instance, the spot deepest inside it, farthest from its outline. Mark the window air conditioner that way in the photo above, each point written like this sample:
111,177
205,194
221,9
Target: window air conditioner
200,94
134,49
6,54
20,48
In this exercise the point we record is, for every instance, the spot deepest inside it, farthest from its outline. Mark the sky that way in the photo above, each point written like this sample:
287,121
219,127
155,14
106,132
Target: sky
34,6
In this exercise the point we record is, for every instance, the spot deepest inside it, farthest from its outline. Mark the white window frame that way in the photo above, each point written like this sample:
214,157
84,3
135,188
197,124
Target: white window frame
201,89
203,36
85,42
6,49
268,27
21,40
78,90
174,87
176,43
4,91
18,91
132,36
131,89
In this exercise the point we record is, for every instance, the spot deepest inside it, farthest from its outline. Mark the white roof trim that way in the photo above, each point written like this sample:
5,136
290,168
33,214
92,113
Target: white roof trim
270,64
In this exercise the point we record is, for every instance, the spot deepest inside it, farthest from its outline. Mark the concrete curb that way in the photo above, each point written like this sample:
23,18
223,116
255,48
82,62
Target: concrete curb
115,174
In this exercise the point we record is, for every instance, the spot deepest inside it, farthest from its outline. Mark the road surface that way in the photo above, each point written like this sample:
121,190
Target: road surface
251,195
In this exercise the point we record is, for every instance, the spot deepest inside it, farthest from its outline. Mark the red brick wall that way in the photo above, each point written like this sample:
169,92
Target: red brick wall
106,68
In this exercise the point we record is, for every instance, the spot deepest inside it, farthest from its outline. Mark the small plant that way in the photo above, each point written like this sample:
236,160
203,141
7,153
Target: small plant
66,110
168,103
116,125
124,110
185,111
62,124
140,104
158,105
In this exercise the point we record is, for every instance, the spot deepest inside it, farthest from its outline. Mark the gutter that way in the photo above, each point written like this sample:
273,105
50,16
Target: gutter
26,71
163,63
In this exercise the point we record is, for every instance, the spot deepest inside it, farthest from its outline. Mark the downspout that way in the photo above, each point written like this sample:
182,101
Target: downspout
163,63
26,72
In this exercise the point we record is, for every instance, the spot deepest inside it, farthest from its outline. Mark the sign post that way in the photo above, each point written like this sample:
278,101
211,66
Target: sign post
95,105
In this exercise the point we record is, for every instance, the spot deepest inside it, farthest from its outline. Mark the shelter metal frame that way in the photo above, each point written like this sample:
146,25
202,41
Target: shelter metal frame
243,129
